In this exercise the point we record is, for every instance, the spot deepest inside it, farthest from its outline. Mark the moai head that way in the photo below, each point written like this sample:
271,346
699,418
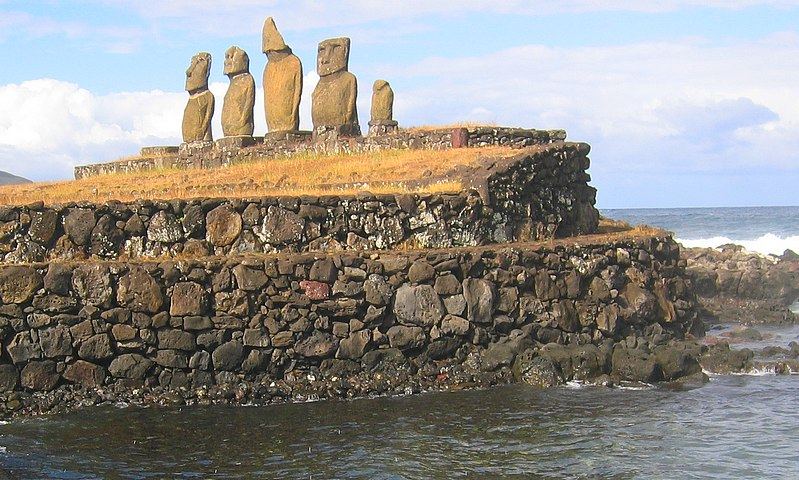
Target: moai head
333,56
198,72
236,61
271,40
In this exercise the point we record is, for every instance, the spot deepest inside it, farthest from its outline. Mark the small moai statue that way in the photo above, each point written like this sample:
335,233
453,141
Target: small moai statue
200,107
237,109
282,82
333,99
382,120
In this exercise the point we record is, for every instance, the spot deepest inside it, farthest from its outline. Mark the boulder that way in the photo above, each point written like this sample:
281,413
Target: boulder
172,339
404,338
96,347
721,359
228,356
281,227
355,345
18,283
378,291
171,359
323,270
58,279
418,305
421,272
256,337
22,348
131,366
480,296
106,238
39,376
315,290
43,226
188,298
139,291
85,373
318,345
92,283
9,377
164,228
56,341
447,285
536,370
78,225
634,365
222,226
248,278
453,325
443,348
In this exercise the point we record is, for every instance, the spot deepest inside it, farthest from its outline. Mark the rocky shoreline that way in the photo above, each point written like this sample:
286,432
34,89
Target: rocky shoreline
737,286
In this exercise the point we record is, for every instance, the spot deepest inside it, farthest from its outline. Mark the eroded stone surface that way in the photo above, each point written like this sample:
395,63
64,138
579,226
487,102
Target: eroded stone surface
334,97
237,108
200,107
282,82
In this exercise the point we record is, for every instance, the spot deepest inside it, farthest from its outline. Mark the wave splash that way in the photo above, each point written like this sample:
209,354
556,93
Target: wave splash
768,244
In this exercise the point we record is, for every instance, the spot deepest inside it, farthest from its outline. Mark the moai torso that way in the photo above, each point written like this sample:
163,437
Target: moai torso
237,118
200,107
282,92
237,110
197,117
282,81
382,104
334,100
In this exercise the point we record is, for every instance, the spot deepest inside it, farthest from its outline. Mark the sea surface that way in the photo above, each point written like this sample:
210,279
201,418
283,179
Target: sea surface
735,427
767,230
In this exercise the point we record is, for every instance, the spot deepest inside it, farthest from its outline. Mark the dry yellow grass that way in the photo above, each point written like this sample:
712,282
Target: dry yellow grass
387,171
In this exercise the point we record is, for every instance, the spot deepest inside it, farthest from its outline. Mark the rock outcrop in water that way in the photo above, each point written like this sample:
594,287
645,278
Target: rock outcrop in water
743,287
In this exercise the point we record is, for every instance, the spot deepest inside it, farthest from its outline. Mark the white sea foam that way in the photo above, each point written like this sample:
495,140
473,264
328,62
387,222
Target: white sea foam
768,244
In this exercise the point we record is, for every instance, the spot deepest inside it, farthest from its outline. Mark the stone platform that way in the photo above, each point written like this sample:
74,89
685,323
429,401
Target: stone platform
231,150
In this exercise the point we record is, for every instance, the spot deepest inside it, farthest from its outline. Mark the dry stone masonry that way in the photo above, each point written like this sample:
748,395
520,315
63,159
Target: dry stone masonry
541,193
481,314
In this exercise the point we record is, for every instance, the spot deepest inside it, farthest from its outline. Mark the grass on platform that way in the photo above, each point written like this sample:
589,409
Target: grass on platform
386,171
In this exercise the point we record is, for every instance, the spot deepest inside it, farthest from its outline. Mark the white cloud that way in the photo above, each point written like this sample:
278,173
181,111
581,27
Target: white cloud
48,126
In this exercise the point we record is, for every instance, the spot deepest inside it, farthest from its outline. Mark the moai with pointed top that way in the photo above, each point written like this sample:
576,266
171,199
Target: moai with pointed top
282,82
200,107
382,121
237,109
333,100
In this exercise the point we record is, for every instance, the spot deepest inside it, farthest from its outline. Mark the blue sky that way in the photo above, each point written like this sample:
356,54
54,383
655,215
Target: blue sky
685,103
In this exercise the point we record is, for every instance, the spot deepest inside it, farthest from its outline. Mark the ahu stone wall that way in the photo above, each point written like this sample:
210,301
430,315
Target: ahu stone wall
303,321
540,194
231,150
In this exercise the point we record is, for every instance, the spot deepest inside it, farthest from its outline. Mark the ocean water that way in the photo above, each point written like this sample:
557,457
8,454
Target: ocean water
766,230
735,427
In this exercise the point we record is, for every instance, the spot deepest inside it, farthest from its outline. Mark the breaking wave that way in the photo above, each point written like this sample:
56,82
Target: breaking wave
768,244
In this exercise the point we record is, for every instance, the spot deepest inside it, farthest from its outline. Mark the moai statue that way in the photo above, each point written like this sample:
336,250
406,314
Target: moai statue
333,100
200,107
382,109
237,116
282,82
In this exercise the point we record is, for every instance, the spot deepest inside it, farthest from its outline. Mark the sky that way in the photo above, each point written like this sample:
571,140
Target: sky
684,102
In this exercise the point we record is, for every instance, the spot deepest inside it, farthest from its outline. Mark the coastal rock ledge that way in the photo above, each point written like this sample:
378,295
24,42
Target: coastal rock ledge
294,327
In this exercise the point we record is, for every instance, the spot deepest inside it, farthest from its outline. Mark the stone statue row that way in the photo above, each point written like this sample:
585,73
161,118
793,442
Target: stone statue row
333,102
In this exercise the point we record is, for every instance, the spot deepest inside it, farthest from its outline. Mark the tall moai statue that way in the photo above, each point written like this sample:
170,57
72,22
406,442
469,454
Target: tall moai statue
333,99
382,120
200,107
282,82
237,109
